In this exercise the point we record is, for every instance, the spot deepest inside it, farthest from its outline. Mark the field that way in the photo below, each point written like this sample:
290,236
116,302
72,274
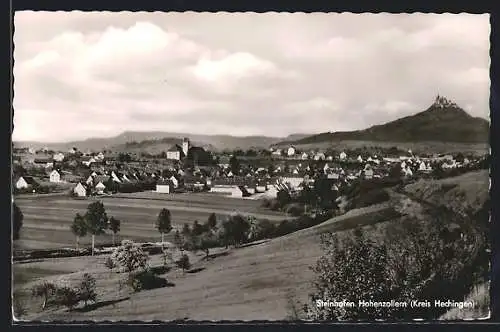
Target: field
251,283
47,220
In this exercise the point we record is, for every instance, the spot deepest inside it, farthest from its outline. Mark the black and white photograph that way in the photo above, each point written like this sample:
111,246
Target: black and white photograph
208,167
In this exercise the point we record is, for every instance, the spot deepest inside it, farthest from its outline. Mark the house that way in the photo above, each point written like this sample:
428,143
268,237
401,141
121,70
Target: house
89,180
174,181
319,156
304,156
408,172
360,159
333,176
422,167
175,152
368,173
100,187
25,182
164,187
277,152
44,162
293,182
73,150
80,190
87,161
329,158
100,156
55,176
291,151
232,190
58,157
115,177
101,178
343,155
69,177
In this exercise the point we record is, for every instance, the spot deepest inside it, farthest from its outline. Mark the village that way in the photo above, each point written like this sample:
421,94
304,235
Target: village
252,174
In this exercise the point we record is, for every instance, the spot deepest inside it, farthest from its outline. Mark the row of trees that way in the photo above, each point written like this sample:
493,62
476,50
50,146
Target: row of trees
64,295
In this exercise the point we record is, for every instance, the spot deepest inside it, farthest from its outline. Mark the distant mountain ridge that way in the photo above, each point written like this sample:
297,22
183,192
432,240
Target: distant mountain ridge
160,141
443,121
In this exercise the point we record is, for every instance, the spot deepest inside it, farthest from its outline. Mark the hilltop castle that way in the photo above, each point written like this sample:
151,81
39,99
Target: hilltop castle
442,102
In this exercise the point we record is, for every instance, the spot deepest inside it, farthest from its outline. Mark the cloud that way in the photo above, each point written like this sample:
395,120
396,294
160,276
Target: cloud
273,74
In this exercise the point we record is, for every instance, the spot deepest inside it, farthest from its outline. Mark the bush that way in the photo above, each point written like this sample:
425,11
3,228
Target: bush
295,209
67,297
145,280
129,257
46,291
284,227
304,222
364,199
266,229
87,289
354,269
183,262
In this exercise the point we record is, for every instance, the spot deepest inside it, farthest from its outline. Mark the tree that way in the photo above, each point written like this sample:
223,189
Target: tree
96,220
184,263
212,221
178,239
197,228
45,290
79,228
283,198
87,289
17,221
395,172
164,223
351,268
253,229
124,157
129,257
207,240
236,228
114,226
67,296
186,230
234,164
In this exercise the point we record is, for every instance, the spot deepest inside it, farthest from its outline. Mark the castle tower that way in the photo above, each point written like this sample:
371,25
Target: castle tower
185,146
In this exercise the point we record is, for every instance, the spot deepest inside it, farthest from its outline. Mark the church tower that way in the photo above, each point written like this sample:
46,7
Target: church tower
185,146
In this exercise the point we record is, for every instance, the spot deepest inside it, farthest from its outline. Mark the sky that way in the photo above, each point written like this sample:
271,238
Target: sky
96,74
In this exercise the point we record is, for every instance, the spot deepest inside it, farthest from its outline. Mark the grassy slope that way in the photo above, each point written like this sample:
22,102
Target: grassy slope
248,284
464,194
47,219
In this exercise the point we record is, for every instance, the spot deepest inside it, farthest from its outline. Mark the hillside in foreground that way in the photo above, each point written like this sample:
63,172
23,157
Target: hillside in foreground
250,283
443,121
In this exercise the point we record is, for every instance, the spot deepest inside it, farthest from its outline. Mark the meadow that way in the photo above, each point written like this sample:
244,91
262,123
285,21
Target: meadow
47,219
257,282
